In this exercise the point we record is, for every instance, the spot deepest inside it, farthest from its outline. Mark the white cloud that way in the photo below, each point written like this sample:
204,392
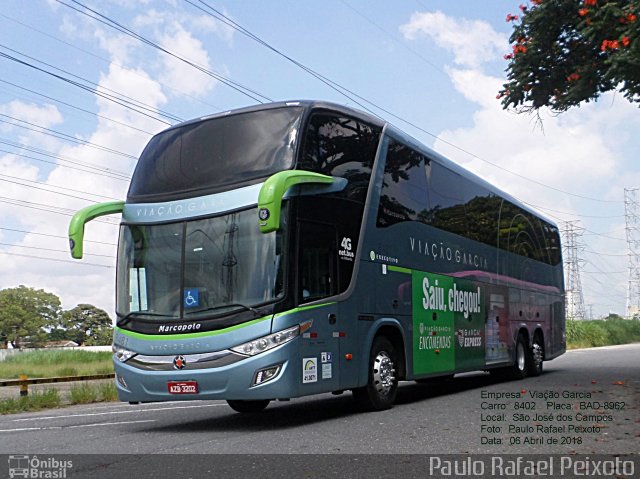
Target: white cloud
45,115
75,282
472,42
179,74
587,151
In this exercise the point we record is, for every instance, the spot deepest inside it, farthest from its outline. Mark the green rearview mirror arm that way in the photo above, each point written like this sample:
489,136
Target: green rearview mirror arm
272,191
76,226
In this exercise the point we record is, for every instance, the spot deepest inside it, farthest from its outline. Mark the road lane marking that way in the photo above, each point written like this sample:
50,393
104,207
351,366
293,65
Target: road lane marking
117,412
108,423
50,428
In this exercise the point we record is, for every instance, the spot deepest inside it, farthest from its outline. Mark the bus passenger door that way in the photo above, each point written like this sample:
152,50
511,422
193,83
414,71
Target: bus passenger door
318,279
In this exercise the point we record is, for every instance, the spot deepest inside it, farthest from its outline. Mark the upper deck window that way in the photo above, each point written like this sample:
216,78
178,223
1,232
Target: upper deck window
340,146
209,155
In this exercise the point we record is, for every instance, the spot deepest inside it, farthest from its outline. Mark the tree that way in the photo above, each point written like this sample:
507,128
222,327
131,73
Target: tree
88,325
566,52
25,313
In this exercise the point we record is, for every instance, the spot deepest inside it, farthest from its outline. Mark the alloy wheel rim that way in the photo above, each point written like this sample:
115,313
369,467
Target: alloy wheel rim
384,373
520,356
537,355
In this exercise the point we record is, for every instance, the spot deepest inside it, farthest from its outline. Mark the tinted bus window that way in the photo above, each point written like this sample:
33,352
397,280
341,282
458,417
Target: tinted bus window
342,147
207,155
522,233
418,188
447,203
404,193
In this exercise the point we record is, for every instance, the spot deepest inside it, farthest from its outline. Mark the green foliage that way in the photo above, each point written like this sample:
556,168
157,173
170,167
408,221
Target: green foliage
83,393
566,52
24,313
54,363
87,325
107,391
602,332
33,402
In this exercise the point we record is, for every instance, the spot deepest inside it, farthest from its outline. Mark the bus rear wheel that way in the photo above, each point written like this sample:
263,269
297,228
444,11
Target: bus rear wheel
382,385
536,357
248,406
523,358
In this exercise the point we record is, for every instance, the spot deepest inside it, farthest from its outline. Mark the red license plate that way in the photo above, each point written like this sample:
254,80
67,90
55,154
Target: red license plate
182,387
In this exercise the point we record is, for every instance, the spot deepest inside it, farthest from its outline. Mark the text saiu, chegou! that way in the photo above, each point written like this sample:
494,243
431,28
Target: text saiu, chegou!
457,301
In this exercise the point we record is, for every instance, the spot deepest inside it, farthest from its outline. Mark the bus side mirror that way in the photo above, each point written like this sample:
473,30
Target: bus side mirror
76,226
273,190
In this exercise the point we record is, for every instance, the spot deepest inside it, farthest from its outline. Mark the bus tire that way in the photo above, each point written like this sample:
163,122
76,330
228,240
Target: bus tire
536,357
382,384
523,358
248,406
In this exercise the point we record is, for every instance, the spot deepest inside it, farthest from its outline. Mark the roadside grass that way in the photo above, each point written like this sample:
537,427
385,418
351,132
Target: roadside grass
82,393
56,363
34,402
594,333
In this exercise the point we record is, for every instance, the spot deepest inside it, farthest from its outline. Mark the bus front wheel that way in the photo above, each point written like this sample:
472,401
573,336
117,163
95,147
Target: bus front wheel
382,385
248,406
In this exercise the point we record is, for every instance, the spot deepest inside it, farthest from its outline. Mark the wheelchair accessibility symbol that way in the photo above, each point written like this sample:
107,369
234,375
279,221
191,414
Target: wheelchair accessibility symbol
191,298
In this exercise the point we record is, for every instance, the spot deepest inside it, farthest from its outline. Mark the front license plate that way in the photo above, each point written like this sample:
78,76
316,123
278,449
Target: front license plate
183,387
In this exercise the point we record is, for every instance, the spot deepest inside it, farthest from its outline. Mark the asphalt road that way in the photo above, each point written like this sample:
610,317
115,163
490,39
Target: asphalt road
584,406
442,418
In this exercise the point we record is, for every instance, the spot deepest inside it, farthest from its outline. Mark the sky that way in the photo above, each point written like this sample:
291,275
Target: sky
79,99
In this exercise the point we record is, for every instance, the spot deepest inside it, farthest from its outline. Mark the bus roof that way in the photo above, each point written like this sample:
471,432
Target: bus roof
309,105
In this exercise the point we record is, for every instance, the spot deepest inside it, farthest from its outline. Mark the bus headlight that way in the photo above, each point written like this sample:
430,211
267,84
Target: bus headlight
121,353
270,341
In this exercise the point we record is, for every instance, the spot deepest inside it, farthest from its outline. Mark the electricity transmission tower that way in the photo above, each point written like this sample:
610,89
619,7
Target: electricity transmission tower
632,223
572,263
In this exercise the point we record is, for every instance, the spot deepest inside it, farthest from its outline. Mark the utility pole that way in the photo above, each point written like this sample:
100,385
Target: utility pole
572,263
632,226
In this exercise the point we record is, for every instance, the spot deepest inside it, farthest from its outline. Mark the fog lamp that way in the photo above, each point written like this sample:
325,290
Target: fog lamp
266,374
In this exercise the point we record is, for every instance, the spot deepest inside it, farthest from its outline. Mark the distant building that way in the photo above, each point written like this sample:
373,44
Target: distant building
61,344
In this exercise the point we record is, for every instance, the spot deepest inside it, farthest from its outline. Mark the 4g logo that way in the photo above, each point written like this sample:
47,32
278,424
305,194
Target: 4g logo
346,253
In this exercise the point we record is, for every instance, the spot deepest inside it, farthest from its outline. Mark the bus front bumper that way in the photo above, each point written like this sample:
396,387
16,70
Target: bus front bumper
209,376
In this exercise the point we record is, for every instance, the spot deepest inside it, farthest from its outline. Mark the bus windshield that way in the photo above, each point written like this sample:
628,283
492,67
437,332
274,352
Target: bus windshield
199,268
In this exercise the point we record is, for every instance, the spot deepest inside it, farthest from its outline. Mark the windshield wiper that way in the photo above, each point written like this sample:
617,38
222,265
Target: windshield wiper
129,316
255,311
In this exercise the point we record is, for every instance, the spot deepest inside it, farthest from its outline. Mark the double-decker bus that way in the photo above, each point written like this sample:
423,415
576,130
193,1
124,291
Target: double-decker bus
297,248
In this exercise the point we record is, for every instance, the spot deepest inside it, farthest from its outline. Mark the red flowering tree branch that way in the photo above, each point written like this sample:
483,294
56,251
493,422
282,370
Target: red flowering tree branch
565,52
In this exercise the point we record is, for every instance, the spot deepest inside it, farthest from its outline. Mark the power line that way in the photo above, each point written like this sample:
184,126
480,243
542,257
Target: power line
109,62
605,254
53,236
604,272
392,37
13,178
48,208
79,263
571,213
95,89
38,248
351,95
64,136
86,167
76,107
254,95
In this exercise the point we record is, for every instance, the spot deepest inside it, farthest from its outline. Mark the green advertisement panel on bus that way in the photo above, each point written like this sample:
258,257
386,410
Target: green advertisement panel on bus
448,324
